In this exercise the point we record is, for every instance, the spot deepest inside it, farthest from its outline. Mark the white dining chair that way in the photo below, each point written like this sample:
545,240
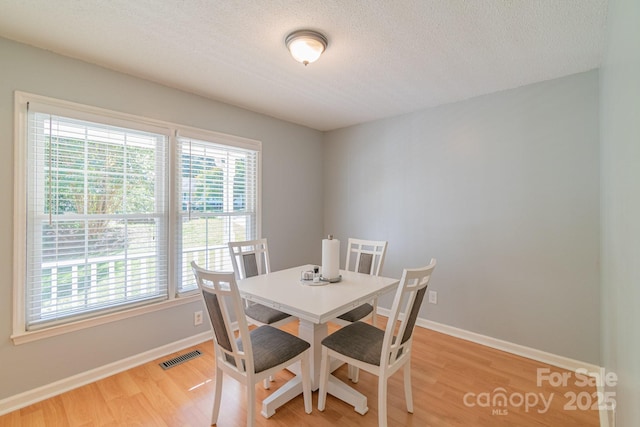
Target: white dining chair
367,257
253,356
363,256
380,352
251,258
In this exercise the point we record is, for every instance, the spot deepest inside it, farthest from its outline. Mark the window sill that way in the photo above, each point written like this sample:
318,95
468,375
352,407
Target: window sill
29,336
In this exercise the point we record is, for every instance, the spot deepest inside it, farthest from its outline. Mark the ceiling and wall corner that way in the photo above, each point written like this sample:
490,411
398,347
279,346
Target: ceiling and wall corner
382,61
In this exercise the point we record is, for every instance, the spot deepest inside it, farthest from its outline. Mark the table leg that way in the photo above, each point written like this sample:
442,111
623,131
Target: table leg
282,395
348,394
313,333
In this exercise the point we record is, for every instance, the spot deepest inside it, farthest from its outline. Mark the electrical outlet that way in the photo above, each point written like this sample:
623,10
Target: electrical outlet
433,297
197,318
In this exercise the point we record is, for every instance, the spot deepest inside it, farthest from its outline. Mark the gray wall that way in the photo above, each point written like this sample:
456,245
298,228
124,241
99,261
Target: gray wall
292,205
620,140
503,190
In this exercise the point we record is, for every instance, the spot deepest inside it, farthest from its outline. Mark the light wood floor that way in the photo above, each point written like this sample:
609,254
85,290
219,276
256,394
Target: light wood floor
444,371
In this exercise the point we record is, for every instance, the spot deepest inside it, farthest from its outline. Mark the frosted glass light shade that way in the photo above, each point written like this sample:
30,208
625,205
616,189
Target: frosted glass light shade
306,46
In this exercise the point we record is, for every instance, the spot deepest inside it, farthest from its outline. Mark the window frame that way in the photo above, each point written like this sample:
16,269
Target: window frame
20,333
216,140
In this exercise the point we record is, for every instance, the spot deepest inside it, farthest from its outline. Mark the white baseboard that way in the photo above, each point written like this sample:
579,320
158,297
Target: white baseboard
29,397
517,349
509,347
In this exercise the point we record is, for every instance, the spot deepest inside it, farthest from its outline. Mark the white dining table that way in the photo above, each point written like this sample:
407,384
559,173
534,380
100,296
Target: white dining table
315,305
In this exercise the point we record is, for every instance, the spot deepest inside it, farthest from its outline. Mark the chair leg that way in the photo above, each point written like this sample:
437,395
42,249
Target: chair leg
382,401
217,396
355,374
407,386
306,382
251,402
374,313
324,379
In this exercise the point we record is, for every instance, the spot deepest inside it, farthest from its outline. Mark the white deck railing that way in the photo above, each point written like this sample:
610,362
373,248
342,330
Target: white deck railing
132,281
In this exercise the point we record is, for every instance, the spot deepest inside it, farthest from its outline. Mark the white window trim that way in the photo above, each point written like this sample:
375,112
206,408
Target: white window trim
20,335
25,337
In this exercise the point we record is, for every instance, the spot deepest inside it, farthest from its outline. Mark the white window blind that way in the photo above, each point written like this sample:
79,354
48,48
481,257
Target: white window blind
217,184
96,218
111,208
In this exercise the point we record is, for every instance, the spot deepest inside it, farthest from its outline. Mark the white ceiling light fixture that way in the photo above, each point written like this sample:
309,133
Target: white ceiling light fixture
306,46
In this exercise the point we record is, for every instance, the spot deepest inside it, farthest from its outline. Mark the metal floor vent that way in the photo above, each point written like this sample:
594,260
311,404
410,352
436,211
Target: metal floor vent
180,359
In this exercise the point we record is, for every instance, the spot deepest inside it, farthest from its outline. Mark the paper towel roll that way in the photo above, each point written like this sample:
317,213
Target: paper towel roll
330,258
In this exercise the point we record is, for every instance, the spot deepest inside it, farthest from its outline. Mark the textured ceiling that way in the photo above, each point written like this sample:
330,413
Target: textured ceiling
384,58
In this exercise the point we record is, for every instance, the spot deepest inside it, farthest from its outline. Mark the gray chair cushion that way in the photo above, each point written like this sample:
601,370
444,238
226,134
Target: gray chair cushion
264,314
357,313
250,265
271,347
217,320
413,315
359,341
365,263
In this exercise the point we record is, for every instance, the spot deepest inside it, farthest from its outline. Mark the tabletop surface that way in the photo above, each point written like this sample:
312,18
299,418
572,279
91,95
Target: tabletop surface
285,291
